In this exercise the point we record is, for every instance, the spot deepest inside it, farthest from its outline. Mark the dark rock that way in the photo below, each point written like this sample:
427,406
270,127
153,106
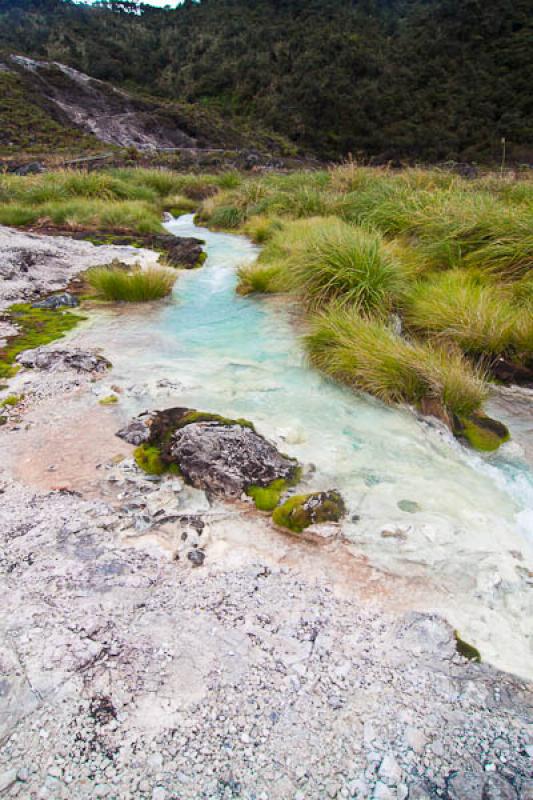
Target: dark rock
29,169
497,788
214,453
196,557
422,791
465,786
79,360
227,459
137,431
509,373
57,301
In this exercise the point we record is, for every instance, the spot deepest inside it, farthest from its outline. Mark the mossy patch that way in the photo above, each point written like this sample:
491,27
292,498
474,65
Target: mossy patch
481,432
299,512
266,498
11,400
148,458
466,650
36,327
203,416
110,400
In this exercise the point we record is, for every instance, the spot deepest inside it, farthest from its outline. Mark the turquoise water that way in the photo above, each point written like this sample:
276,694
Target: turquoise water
210,349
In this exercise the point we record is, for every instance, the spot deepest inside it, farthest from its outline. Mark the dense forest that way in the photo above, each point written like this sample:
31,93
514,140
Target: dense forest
413,80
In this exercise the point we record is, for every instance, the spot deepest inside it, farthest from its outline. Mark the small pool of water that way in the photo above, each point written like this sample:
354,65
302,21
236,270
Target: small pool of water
419,503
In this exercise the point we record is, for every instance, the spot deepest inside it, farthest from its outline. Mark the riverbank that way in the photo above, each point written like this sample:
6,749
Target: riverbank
159,677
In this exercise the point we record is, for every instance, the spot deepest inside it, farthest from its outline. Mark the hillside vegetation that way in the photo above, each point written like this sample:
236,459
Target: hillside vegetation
390,79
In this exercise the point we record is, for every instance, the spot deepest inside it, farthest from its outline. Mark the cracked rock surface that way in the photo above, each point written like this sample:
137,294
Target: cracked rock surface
127,674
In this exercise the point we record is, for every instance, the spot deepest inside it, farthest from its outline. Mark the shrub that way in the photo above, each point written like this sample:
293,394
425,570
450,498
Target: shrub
367,355
116,284
261,228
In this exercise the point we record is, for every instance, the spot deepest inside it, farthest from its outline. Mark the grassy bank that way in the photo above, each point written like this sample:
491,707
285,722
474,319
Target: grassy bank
129,200
413,283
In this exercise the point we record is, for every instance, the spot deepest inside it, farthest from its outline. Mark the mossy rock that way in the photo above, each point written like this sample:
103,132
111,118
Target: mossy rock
480,432
466,650
299,512
148,458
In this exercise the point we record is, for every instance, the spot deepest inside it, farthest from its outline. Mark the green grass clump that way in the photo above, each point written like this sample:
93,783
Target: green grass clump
261,228
266,498
226,218
261,278
11,400
368,355
37,326
338,262
115,284
479,316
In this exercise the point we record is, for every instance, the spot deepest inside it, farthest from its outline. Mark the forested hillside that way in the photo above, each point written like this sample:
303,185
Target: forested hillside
391,79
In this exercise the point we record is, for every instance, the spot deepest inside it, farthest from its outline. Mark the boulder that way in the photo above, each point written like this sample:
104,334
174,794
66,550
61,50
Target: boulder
217,454
227,459
65,299
480,432
56,359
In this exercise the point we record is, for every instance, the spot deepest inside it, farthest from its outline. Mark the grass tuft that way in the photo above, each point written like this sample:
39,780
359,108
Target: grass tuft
116,284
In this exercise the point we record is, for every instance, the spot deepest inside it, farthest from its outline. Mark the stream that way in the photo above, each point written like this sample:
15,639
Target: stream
419,503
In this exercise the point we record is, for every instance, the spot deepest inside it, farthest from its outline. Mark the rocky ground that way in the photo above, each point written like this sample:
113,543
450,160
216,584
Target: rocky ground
158,643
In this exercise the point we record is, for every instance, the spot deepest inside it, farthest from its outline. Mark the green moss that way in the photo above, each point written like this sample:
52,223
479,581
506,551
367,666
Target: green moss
11,400
203,416
37,326
148,458
3,420
481,432
266,498
298,512
110,400
466,650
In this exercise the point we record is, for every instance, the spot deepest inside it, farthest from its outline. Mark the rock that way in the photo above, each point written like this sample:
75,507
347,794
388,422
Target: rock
509,373
216,454
465,786
415,739
196,557
137,431
497,788
432,407
56,359
65,299
409,506
480,432
7,779
34,168
421,791
382,792
301,511
390,771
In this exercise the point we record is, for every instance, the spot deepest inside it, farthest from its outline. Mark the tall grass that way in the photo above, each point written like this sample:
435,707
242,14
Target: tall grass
367,355
479,316
117,284
350,265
